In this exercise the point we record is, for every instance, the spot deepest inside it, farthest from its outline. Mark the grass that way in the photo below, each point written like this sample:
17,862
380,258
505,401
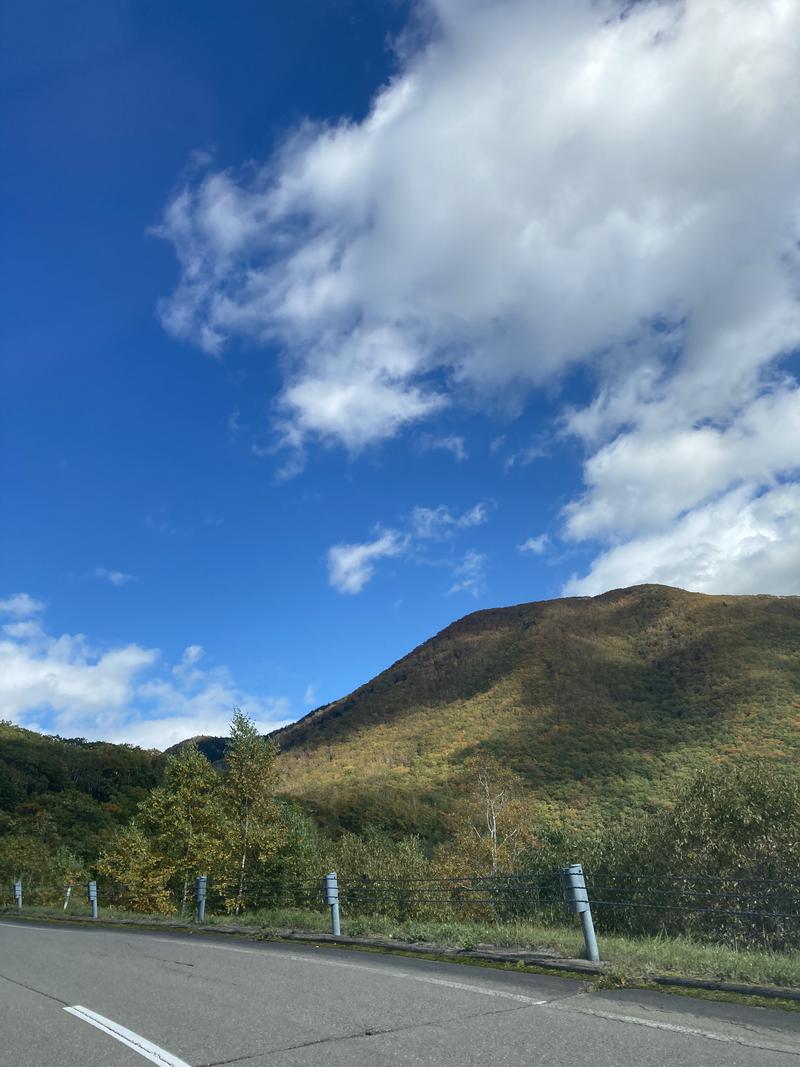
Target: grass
630,960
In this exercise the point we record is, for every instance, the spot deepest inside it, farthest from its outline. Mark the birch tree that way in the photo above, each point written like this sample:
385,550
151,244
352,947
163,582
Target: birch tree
254,827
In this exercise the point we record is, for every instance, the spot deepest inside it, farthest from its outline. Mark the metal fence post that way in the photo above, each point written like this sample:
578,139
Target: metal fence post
200,886
577,899
18,893
331,886
91,896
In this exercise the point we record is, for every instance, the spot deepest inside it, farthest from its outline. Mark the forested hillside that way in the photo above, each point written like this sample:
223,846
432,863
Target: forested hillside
592,704
70,792
578,709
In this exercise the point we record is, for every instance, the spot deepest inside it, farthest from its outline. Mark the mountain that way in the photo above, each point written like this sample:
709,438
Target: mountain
597,703
594,704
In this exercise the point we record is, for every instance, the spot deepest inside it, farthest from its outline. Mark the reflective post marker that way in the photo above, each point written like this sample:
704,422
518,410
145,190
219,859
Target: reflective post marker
577,898
18,893
331,887
91,896
200,886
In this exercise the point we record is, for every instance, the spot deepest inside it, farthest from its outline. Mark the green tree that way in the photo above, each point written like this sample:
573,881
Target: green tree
254,829
185,819
139,874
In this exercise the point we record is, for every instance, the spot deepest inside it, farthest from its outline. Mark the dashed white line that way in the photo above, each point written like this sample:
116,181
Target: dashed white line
127,1037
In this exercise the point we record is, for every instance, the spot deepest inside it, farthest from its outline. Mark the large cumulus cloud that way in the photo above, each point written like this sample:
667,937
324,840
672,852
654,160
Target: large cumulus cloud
541,186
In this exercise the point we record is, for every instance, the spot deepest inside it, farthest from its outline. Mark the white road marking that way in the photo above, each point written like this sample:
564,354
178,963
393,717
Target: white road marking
19,926
157,1055
676,1028
391,973
127,1037
201,944
428,979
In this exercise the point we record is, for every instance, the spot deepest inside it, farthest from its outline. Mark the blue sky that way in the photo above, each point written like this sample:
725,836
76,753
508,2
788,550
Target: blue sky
328,323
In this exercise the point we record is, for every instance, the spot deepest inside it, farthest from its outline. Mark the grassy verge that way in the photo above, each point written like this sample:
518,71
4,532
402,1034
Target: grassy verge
630,960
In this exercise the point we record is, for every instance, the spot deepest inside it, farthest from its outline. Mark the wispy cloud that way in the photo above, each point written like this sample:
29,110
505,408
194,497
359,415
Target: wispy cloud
455,444
523,457
21,606
534,546
114,577
440,522
351,566
235,424
470,574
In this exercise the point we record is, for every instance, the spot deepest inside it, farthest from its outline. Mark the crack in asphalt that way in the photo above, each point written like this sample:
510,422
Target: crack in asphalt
369,1032
33,989
161,959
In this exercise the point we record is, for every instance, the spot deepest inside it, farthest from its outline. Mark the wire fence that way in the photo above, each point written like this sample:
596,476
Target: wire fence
743,910
489,898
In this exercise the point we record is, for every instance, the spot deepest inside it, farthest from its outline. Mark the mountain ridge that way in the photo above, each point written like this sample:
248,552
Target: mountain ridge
595,704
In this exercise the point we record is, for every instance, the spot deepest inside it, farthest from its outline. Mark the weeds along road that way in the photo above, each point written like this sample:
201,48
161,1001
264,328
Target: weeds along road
103,998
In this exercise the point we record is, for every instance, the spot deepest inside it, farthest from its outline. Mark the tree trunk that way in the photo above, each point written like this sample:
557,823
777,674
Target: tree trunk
243,861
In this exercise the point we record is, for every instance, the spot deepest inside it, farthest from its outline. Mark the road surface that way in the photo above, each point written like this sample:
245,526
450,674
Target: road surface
114,998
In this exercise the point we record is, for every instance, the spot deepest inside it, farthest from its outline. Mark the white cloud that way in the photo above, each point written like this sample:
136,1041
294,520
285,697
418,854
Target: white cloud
350,567
310,695
24,630
577,197
534,546
67,675
114,577
21,605
470,574
452,443
440,522
541,186
68,685
524,457
187,669
650,475
742,543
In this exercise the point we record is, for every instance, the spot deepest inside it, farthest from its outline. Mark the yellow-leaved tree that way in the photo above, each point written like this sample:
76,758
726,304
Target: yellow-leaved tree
254,829
185,820
140,875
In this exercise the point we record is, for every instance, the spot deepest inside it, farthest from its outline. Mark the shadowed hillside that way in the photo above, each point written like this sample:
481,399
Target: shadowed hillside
594,702
70,791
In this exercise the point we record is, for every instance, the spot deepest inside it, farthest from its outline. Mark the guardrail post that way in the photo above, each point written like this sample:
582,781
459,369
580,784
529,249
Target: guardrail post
91,896
200,886
18,893
577,898
331,887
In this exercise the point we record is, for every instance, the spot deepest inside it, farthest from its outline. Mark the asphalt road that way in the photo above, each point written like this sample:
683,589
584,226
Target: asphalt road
102,998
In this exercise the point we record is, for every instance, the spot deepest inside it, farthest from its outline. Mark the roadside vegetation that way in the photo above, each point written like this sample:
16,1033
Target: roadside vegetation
265,859
649,734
